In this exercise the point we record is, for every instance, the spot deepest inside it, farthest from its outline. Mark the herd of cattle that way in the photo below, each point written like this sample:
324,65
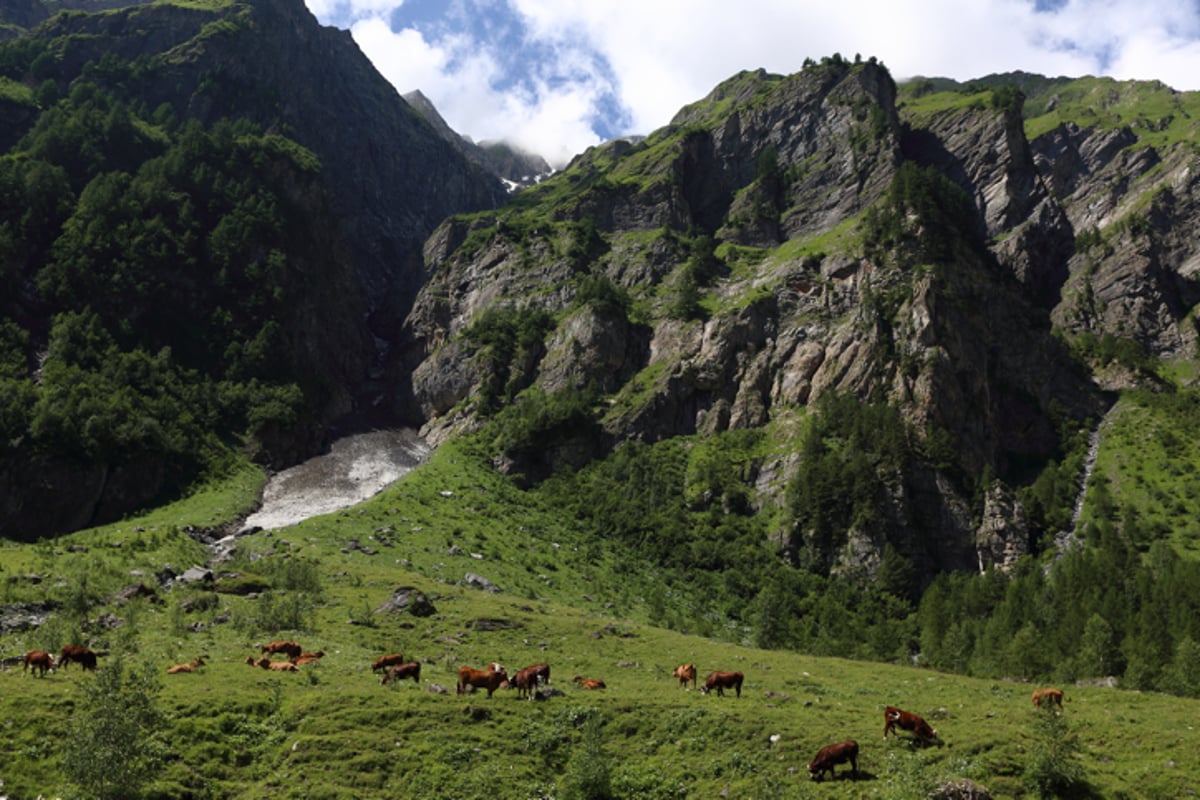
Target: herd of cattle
529,683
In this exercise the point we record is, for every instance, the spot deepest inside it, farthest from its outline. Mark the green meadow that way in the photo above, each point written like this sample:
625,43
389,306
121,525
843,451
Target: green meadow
333,731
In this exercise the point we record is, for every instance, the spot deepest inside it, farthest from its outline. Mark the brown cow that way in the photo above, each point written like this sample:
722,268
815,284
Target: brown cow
1053,696
289,649
685,673
391,660
308,658
401,671
489,678
834,754
40,660
528,679
277,666
589,683
906,720
191,666
80,655
722,681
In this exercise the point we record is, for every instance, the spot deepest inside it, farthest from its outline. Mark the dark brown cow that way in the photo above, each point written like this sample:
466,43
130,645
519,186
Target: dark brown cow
489,678
907,721
722,681
527,680
80,655
289,649
685,673
834,754
390,660
1052,696
589,683
401,671
40,660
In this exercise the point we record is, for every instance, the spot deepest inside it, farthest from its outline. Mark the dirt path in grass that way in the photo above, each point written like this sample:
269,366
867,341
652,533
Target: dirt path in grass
354,469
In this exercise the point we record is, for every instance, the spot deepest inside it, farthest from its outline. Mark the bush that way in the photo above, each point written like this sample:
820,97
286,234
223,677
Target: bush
113,750
588,775
1053,768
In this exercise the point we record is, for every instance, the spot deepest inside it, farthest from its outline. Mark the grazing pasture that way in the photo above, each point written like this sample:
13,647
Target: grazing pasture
332,731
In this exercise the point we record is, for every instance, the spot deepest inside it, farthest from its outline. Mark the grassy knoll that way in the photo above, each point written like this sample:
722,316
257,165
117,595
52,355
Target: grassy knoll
333,731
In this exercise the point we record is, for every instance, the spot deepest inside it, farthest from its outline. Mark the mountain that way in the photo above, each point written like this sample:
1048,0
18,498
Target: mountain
517,169
328,218
830,233
973,269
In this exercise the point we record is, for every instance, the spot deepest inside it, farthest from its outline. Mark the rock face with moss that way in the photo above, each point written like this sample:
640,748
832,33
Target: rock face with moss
791,237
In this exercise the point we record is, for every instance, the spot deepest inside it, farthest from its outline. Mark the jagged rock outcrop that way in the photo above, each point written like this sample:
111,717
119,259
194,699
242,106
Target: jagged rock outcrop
964,348
1003,534
1135,275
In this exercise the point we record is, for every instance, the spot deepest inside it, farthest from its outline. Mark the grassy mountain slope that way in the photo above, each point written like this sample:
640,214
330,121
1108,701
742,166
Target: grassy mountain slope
333,731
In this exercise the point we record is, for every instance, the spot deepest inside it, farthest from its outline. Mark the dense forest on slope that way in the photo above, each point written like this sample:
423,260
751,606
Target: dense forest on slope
188,278
167,279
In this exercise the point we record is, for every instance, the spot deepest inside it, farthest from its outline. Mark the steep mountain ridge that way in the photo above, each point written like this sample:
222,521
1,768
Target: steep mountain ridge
517,169
950,314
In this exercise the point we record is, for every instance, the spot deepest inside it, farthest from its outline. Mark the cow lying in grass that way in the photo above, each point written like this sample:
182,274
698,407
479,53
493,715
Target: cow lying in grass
190,666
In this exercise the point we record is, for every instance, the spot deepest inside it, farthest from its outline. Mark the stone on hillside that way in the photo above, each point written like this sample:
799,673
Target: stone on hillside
480,582
197,574
406,598
963,789
131,591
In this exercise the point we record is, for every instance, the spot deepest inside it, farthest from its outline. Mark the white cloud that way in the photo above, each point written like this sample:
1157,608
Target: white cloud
654,56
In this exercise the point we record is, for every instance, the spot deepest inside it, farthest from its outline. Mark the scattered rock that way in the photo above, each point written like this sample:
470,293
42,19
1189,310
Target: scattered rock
437,688
106,622
409,599
480,582
17,617
131,591
196,575
963,789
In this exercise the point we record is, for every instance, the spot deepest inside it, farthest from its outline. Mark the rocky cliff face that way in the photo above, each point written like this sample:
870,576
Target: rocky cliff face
780,171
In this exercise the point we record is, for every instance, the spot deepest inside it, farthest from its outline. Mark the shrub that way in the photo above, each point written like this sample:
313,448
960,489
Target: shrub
588,775
113,750
1053,768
